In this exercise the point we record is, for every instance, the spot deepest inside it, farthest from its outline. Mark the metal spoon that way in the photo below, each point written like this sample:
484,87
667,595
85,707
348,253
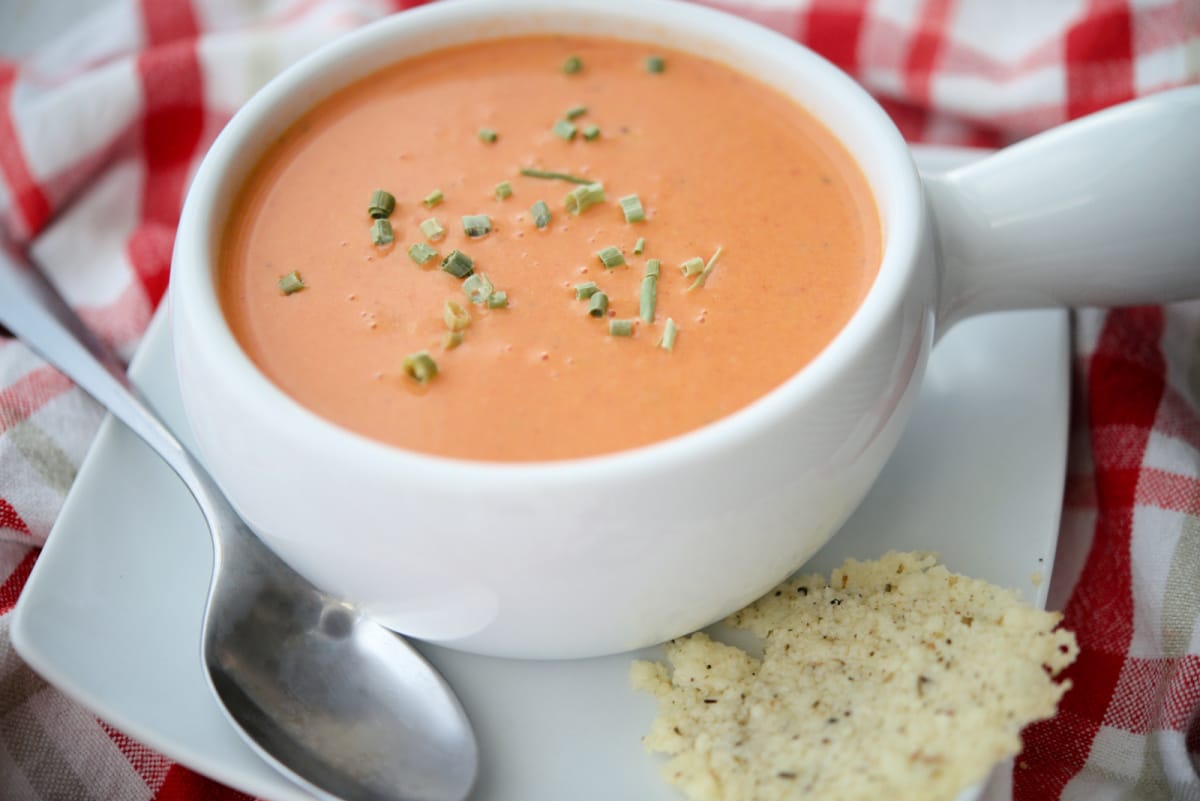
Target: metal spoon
338,704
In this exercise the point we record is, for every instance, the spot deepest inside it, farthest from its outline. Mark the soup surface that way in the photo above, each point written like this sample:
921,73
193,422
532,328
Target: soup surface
718,163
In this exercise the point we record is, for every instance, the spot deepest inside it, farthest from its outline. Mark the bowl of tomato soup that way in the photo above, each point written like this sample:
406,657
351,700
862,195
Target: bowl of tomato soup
549,330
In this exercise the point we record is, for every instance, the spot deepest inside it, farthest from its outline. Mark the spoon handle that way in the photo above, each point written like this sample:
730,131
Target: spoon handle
32,310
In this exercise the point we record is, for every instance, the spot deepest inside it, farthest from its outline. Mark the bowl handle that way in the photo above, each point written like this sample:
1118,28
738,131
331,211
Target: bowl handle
1102,211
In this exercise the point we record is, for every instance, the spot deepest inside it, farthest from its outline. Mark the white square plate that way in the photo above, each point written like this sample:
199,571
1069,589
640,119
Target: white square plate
111,613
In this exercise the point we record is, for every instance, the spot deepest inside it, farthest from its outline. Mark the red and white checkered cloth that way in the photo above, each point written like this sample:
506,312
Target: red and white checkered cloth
100,130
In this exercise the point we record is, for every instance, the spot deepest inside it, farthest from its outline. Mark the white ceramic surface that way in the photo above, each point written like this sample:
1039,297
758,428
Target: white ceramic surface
554,559
111,614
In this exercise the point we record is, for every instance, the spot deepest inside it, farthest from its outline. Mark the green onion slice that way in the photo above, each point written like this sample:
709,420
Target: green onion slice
610,257
382,204
421,253
692,266
488,135
564,129
586,290
632,207
292,282
433,198
458,264
649,296
598,305
581,198
478,288
708,268
655,64
575,111
572,65
455,316
530,172
653,267
498,300
451,340
639,247
476,225
432,228
620,328
670,331
381,232
420,366
591,132
503,190
541,214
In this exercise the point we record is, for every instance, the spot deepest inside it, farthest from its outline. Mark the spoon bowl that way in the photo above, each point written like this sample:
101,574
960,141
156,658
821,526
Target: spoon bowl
345,708
340,704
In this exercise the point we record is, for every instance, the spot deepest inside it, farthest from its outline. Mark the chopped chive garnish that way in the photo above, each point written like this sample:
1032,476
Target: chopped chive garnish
530,172
620,328
292,282
433,198
670,331
610,257
564,129
649,297
432,229
503,190
591,132
488,135
451,340
421,253
575,111
420,366
476,225
382,204
478,288
455,316
639,247
458,264
381,232
598,305
708,268
572,65
581,197
586,290
632,207
541,214
498,300
655,64
692,266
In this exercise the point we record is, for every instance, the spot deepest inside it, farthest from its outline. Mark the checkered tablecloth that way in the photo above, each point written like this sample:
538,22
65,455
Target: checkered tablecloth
101,129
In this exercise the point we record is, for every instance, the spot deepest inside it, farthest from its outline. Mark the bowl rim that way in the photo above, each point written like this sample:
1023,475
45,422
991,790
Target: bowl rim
192,288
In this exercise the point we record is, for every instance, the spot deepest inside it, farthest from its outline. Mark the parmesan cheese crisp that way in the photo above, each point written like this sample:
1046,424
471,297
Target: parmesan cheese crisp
895,679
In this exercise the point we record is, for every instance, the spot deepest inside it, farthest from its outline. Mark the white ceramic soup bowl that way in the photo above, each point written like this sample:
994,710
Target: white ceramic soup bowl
590,556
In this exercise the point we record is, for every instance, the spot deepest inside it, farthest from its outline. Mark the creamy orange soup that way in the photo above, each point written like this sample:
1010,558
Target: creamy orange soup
717,161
